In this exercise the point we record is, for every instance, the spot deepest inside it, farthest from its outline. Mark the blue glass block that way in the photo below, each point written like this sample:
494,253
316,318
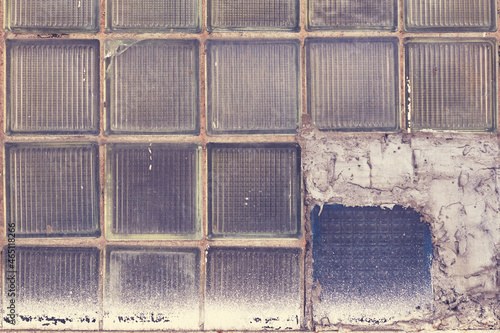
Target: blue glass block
372,264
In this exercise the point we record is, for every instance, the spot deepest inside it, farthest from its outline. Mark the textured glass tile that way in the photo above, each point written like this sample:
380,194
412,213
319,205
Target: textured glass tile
253,289
352,14
450,15
451,84
154,15
348,90
371,265
254,190
153,191
56,288
253,86
152,288
153,86
52,15
253,15
53,86
53,189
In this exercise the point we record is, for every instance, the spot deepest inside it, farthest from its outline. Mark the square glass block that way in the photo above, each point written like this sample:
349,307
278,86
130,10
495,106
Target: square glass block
56,288
52,86
253,86
352,15
152,288
52,15
373,264
450,15
154,15
53,189
153,86
254,190
349,90
451,84
253,289
253,15
153,191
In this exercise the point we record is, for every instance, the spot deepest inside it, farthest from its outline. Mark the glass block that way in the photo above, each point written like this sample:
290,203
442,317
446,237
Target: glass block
154,15
153,86
53,288
253,15
153,191
52,86
371,265
254,190
253,86
348,90
450,15
53,189
352,15
152,288
451,84
52,15
253,289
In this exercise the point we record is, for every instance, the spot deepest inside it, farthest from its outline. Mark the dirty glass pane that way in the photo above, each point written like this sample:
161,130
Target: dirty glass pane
253,289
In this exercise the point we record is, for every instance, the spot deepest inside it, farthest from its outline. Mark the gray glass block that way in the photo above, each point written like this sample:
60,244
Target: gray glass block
352,15
153,191
254,190
253,289
153,86
370,265
52,15
451,84
52,86
450,15
55,288
52,190
154,15
253,15
152,288
348,90
253,86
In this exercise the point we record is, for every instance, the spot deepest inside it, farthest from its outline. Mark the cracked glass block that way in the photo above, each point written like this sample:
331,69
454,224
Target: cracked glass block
253,15
371,265
52,86
254,190
253,86
53,189
253,289
52,15
152,288
348,90
153,191
154,15
53,288
451,84
153,86
450,15
352,15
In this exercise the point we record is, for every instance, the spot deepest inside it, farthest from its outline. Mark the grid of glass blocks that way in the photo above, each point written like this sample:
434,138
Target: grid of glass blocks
451,84
348,90
153,86
52,86
253,15
254,190
153,191
450,15
253,289
51,287
52,189
152,288
373,264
